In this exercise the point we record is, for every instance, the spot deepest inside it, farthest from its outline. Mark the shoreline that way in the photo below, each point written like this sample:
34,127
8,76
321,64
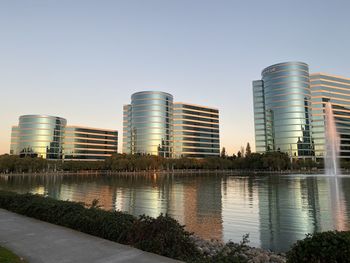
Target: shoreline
185,172
123,228
38,241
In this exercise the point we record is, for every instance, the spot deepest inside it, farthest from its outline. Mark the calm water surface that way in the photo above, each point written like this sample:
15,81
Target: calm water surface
275,210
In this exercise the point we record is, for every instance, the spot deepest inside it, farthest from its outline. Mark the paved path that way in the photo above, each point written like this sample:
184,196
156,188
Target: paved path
41,242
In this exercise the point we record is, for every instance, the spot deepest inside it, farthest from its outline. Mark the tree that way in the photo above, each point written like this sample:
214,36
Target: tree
248,151
223,152
275,161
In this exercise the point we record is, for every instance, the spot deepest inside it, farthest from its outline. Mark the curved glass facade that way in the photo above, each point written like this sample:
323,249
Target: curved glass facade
150,128
285,99
14,140
41,135
154,124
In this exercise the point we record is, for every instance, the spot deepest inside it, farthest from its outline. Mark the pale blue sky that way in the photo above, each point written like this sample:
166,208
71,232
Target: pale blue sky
83,59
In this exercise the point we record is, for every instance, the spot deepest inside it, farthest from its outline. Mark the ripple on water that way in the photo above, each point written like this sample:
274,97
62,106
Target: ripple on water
275,210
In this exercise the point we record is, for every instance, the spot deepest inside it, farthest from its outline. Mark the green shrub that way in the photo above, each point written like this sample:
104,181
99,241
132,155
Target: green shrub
162,235
169,238
325,247
105,224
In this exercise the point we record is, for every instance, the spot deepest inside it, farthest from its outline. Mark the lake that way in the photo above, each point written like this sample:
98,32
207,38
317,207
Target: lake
276,210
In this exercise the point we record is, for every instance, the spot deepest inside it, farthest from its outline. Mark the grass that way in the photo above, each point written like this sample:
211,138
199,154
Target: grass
6,256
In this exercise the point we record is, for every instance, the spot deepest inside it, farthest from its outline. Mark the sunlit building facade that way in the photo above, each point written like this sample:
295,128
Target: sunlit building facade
335,89
259,116
148,123
154,124
49,137
14,140
196,131
289,110
90,144
39,136
282,110
127,129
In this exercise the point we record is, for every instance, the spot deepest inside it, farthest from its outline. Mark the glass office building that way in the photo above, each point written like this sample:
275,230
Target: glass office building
49,137
127,129
14,140
153,124
259,116
282,110
336,89
148,124
39,135
90,144
196,131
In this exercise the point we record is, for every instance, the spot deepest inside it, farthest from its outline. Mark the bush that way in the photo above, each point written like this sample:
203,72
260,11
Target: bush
325,247
168,237
162,235
233,252
94,221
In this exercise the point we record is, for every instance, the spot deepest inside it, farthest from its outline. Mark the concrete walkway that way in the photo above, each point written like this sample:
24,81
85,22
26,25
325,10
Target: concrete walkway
40,242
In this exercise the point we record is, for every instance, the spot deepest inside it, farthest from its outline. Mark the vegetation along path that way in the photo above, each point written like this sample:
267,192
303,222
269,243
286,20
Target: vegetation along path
40,242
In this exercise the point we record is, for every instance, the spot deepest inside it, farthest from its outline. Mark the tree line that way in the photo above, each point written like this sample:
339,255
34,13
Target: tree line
243,160
271,161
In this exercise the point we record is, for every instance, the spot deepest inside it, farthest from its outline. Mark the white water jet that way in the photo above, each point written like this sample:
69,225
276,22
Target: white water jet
332,143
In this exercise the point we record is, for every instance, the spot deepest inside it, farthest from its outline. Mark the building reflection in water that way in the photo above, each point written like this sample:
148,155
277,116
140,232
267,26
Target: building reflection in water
338,204
241,209
275,210
193,201
291,206
202,207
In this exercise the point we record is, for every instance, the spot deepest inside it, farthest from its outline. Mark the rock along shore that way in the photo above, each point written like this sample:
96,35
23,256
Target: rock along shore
213,247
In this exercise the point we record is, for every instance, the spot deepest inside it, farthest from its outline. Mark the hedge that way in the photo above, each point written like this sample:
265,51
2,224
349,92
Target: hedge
162,235
325,247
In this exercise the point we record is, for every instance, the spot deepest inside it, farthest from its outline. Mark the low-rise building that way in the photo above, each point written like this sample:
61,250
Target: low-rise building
83,143
196,131
49,137
154,124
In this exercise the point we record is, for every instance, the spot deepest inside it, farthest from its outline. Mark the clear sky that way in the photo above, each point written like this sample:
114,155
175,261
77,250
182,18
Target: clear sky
82,60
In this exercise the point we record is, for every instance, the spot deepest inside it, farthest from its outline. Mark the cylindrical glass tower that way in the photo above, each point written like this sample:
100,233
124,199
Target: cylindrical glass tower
41,136
287,98
151,123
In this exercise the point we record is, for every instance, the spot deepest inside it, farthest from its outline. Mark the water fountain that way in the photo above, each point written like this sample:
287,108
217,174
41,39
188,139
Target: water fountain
332,143
332,169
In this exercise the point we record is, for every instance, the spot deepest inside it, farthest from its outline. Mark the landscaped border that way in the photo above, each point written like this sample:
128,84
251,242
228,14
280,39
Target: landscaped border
162,235
7,256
